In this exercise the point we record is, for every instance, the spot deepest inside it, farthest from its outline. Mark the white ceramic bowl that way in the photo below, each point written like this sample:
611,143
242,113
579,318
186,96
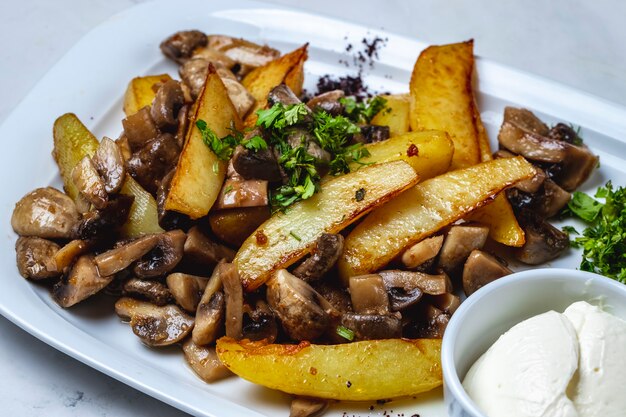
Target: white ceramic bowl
497,307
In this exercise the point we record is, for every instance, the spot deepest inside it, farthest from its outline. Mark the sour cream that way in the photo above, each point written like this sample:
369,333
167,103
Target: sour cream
554,365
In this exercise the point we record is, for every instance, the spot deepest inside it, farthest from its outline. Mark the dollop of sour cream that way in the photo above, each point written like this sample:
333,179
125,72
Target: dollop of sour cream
554,365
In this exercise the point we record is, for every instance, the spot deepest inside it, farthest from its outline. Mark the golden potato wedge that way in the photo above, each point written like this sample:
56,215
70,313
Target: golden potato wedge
395,115
260,81
425,209
233,226
287,237
143,218
140,93
200,173
72,142
428,152
359,371
442,99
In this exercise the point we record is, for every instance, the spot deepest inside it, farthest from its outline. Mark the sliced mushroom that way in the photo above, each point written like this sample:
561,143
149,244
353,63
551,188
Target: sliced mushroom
526,120
33,257
87,180
152,291
242,193
434,325
448,303
373,326
201,251
239,96
246,54
369,294
83,281
408,280
564,133
531,185
233,226
105,222
423,254
217,58
181,45
167,102
328,101
124,147
193,73
372,134
260,323
337,296
109,163
154,325
210,312
578,165
307,407
117,259
545,203
531,145
68,254
460,241
46,213
155,159
283,95
139,129
163,257
233,292
297,306
204,362
186,289
328,248
169,219
297,136
183,124
261,165
480,269
544,242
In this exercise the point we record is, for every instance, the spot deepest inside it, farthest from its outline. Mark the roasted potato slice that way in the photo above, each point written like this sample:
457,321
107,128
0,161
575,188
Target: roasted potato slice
200,173
359,371
395,115
233,226
260,81
72,142
425,209
140,92
287,237
429,152
143,218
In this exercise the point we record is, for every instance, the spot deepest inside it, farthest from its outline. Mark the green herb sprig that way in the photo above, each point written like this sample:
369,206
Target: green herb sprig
363,112
225,147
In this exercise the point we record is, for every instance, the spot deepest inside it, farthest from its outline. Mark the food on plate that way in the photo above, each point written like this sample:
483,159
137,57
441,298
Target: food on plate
301,241
554,364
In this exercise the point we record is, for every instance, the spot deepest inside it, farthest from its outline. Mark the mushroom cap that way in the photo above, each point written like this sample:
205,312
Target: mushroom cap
46,213
83,281
33,257
204,362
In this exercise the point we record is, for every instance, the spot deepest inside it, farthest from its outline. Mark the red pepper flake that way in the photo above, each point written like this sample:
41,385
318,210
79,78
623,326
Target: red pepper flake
412,151
261,239
313,371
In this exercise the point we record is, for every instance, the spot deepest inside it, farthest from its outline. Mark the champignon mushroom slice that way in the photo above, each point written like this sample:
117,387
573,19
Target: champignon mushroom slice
210,312
530,145
109,163
448,302
203,252
183,125
87,180
373,326
307,407
526,120
83,281
297,306
46,213
66,255
247,54
217,58
152,291
422,254
368,294
460,241
233,292
328,101
115,260
124,147
480,269
239,95
283,95
372,134
260,323
139,129
186,289
204,362
155,159
328,248
106,221
242,193
259,165
33,257
154,325
163,257
544,242
408,280
181,45
434,325
167,102
337,296
578,165
552,199
564,133
193,73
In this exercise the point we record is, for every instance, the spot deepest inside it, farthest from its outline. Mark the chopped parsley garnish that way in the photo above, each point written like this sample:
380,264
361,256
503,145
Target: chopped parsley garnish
225,147
604,240
295,236
363,112
345,333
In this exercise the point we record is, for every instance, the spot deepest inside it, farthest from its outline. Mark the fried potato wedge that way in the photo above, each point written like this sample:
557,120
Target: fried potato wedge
200,173
428,152
359,371
287,69
287,237
425,209
140,92
442,99
72,142
143,218
395,115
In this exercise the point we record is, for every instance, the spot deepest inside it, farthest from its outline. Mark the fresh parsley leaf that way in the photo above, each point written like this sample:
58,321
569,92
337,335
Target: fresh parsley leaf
584,206
267,117
363,112
223,148
295,113
228,189
570,230
255,143
345,333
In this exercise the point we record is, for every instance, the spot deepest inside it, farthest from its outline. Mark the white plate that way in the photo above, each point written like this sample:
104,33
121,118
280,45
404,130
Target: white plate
90,81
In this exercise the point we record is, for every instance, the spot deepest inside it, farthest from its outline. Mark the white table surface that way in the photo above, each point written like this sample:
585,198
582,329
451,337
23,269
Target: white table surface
579,43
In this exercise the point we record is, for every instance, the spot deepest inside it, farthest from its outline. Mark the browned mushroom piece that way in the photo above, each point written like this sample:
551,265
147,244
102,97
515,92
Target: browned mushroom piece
183,124
154,325
448,302
181,45
434,324
328,101
139,129
215,57
246,54
460,241
260,323
167,103
124,147
336,295
531,145
369,294
373,326
372,134
186,289
155,159
261,165
210,312
480,269
307,407
163,257
237,193
239,96
68,254
298,306
33,257
204,362
169,219
328,248
409,281
546,202
531,185
544,242
423,254
46,213
153,291
201,251
299,136
233,293
193,73
83,281
282,94
578,165
233,226
525,120
117,259
109,163
105,222
91,186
